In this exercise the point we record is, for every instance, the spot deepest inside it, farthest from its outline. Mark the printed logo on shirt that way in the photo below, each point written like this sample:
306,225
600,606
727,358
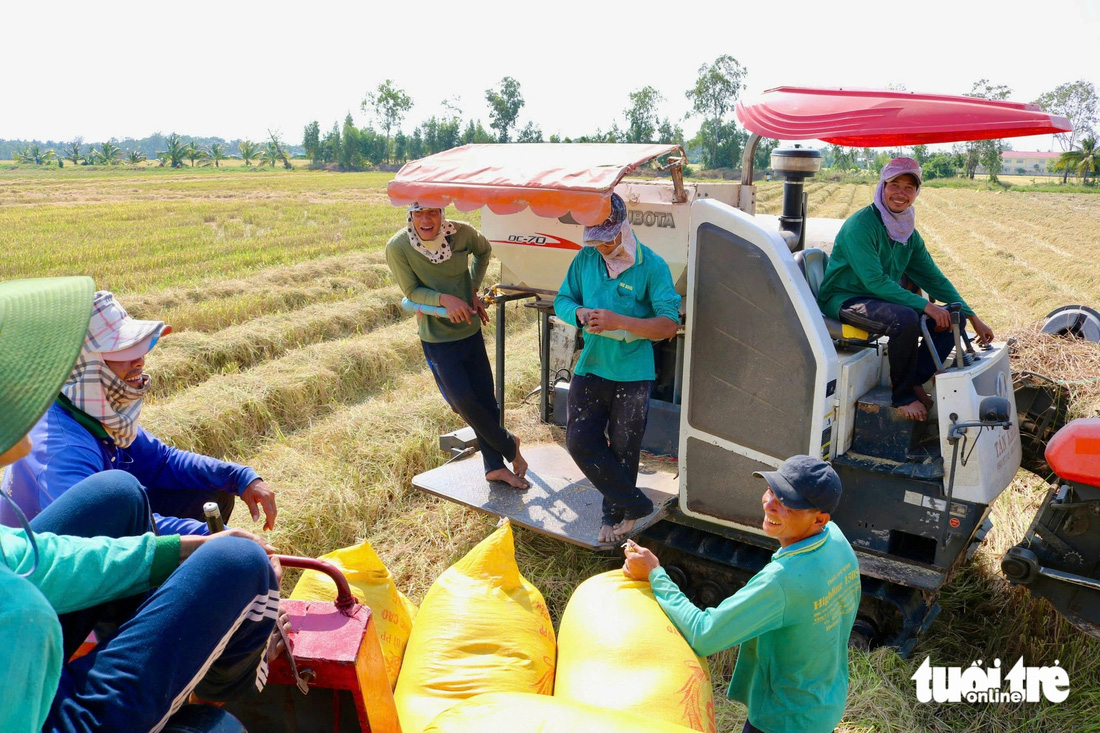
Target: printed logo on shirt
977,684
625,285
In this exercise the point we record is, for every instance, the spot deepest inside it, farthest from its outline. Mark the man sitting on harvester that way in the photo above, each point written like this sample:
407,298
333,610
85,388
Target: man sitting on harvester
621,292
792,619
92,426
92,555
877,246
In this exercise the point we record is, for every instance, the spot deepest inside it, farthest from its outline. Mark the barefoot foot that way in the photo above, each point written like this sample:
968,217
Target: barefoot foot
607,534
623,528
922,395
519,465
915,410
504,475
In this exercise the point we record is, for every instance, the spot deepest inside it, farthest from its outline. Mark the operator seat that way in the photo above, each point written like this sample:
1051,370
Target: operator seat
812,263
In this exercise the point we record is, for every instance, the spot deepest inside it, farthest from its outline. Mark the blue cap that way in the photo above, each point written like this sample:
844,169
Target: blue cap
609,229
804,482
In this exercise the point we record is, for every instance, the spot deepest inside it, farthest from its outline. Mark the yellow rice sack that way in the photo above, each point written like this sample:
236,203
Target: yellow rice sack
518,712
618,650
481,628
373,586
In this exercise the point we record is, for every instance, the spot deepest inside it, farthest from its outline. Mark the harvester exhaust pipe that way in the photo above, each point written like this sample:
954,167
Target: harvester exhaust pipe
795,164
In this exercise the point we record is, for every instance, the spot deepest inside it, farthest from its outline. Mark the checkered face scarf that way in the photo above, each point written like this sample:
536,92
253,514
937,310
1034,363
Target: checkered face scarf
99,392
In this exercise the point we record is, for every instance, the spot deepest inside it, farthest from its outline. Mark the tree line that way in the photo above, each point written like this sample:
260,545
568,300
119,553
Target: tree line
718,143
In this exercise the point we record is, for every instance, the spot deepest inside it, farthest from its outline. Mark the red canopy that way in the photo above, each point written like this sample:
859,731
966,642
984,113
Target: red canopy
554,179
879,118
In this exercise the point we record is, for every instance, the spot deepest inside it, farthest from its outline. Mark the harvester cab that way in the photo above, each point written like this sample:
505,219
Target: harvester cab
757,373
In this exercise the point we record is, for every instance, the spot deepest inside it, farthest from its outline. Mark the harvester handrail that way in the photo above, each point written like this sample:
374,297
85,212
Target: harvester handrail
345,601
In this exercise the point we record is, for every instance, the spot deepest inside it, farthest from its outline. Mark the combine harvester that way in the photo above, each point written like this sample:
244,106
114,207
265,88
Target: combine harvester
758,374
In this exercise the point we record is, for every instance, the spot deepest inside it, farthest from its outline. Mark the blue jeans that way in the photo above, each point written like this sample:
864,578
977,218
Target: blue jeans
205,629
462,373
604,436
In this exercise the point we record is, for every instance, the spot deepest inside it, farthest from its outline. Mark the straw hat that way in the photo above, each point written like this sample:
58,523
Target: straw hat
42,326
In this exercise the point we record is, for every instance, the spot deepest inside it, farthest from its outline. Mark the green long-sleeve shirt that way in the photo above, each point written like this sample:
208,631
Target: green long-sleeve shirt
73,573
866,263
423,281
792,620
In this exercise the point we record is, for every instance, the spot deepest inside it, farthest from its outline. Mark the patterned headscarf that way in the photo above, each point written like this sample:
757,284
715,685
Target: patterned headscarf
436,250
899,226
93,387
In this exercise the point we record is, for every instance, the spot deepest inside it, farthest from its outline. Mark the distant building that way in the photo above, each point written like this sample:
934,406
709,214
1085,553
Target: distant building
1033,163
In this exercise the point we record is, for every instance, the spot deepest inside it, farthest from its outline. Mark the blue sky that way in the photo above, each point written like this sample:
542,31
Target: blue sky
236,69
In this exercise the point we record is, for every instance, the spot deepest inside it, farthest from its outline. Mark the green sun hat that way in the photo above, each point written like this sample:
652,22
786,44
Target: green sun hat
43,322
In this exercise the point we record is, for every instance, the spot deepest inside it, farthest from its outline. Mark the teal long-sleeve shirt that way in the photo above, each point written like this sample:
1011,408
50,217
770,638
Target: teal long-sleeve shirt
423,281
866,263
73,573
792,620
643,290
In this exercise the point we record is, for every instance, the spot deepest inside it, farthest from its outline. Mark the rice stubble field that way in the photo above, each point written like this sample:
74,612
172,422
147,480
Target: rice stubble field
291,354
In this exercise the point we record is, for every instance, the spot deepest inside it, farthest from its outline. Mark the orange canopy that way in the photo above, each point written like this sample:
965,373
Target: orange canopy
553,179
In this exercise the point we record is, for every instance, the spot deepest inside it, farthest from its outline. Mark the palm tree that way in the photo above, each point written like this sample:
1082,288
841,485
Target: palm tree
91,157
1080,162
248,151
192,152
109,154
134,157
72,152
34,153
270,155
174,151
216,153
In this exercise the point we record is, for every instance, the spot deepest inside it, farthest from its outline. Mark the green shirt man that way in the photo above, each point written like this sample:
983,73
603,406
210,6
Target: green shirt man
792,619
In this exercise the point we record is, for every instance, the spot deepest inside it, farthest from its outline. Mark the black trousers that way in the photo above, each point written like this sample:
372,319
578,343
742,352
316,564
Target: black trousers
910,362
462,373
604,436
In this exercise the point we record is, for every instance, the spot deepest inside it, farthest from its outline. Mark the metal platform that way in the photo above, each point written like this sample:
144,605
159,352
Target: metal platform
561,502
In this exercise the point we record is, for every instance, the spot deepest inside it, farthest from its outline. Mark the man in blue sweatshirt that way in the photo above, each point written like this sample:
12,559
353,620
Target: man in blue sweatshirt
792,619
92,426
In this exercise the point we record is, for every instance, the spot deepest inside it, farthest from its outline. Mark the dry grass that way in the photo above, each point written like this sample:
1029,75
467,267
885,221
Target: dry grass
1074,364
291,355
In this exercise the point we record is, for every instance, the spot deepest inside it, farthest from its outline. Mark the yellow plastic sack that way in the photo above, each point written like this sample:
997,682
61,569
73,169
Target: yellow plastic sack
481,628
517,712
618,650
373,586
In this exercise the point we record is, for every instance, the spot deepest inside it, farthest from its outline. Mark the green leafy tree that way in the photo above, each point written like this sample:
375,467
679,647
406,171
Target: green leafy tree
215,154
843,157
669,133
505,103
1081,162
713,97
475,133
1077,102
192,152
641,115
109,154
278,147
389,105
72,151
34,153
311,141
175,150
135,157
531,133
330,145
940,165
249,151
986,152
351,153
920,153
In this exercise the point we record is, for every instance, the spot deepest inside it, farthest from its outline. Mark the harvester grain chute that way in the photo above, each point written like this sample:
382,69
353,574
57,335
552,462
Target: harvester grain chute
758,374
